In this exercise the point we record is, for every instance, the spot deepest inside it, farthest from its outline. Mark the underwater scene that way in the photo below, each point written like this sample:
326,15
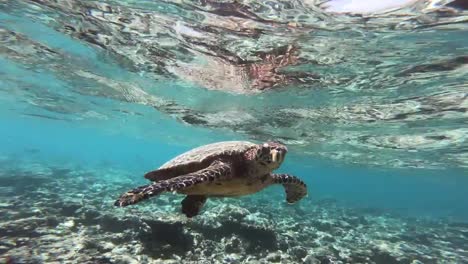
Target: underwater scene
305,131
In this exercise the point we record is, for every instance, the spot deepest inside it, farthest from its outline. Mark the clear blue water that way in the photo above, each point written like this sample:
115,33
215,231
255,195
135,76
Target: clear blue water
94,95
438,193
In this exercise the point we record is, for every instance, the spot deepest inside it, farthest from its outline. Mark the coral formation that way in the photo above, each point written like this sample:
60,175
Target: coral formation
65,215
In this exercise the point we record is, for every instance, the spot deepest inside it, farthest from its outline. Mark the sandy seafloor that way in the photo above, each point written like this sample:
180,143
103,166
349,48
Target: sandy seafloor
64,214
93,94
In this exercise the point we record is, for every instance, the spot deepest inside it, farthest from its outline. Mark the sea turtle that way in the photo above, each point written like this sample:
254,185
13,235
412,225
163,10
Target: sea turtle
223,169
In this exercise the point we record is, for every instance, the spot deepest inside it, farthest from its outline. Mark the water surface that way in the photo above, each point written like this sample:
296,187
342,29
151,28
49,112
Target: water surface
372,105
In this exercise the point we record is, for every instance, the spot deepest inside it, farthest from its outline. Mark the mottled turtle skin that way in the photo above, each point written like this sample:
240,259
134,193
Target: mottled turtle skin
223,169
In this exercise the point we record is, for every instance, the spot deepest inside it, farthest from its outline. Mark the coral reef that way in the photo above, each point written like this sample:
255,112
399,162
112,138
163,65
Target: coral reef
65,214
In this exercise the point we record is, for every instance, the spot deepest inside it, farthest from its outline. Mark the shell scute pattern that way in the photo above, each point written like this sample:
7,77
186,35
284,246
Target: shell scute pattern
208,152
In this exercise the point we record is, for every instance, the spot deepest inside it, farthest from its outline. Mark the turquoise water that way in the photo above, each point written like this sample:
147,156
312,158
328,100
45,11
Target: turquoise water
372,107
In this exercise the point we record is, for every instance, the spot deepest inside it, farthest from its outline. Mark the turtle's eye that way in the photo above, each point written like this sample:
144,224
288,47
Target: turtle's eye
263,153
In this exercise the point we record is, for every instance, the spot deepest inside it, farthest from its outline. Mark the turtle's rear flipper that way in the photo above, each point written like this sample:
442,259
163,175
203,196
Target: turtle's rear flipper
294,187
192,204
217,170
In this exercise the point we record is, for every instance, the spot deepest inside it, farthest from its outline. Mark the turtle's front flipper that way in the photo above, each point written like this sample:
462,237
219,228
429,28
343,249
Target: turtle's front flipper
192,204
295,188
216,171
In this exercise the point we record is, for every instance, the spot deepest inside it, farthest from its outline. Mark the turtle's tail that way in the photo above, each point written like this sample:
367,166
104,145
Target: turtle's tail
141,193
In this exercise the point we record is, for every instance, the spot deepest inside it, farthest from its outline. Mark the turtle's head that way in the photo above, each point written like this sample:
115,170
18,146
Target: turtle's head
271,154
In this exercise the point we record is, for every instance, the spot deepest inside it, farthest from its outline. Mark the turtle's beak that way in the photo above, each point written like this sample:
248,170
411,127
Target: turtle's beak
275,155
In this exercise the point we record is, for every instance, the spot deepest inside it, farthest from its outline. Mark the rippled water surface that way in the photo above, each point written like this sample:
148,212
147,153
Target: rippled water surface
371,101
380,89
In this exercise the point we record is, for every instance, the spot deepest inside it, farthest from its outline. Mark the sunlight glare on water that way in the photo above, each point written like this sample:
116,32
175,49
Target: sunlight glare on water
370,98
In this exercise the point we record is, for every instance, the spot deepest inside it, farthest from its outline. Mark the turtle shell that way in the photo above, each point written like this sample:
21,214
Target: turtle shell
199,158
